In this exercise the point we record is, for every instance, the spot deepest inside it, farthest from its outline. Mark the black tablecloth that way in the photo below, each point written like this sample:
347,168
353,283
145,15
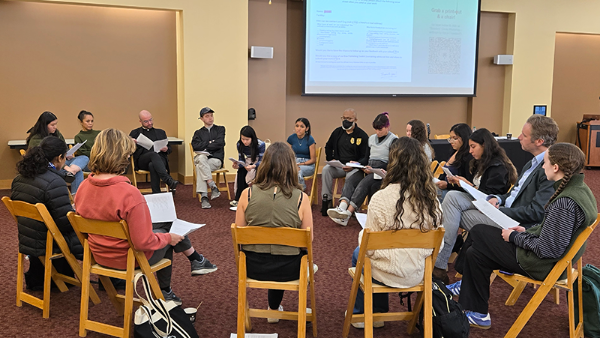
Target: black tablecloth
513,149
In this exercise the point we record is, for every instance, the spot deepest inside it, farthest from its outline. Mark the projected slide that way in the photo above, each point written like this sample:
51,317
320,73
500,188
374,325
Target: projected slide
391,47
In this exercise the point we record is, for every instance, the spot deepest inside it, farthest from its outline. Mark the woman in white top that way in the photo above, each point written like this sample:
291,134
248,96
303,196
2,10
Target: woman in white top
409,191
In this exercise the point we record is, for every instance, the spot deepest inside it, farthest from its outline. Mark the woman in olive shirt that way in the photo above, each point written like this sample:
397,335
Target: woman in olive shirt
87,133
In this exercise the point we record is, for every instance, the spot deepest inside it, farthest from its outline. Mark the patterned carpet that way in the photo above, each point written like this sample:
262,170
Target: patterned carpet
333,246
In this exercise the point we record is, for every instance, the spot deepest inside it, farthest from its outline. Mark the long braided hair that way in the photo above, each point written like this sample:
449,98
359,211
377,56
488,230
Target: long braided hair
570,160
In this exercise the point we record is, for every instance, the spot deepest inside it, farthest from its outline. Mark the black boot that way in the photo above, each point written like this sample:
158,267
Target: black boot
172,184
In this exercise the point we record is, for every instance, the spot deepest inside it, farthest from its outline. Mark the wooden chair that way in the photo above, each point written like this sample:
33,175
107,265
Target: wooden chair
283,236
314,195
342,181
441,137
434,166
123,304
217,180
135,172
410,238
22,152
551,282
439,170
40,213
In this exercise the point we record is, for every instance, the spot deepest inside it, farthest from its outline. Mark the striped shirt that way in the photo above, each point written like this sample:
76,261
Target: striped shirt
562,218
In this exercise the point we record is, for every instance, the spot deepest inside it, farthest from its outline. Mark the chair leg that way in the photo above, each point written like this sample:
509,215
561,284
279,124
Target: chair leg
242,301
20,259
302,299
417,309
427,306
47,282
313,306
85,287
516,292
528,311
226,184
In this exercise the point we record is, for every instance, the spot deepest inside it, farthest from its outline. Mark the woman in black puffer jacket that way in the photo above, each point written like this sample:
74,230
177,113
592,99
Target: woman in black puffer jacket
39,181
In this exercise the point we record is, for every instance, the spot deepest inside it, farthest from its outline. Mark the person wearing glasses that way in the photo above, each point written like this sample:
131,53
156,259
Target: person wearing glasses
347,143
458,164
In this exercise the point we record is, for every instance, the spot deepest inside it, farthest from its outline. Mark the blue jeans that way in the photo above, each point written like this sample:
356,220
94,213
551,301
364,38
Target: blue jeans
80,161
305,171
380,300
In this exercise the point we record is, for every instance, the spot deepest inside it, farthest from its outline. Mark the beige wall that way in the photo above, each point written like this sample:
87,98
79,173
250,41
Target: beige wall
576,81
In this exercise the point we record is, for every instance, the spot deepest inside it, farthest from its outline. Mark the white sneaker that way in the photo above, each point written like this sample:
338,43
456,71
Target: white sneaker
338,213
233,208
274,320
315,269
342,222
361,325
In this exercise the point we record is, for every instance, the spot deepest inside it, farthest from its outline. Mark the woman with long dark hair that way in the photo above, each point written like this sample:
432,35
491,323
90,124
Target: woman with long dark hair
407,200
47,125
530,252
364,182
40,181
458,164
417,130
250,152
304,146
275,200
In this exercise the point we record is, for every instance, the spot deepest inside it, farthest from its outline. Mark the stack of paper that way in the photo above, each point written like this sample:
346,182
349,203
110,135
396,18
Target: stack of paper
487,209
75,148
162,209
335,164
147,143
240,163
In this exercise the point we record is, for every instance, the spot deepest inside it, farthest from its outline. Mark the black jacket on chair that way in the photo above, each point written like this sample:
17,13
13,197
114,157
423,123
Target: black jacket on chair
51,190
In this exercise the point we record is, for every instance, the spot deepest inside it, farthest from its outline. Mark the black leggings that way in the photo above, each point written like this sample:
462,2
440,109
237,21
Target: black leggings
241,182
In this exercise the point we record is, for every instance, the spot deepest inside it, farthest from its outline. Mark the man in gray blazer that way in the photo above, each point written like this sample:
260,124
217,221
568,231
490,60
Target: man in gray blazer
524,202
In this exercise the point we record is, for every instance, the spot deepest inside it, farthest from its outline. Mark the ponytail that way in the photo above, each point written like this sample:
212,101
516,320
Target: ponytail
570,160
35,161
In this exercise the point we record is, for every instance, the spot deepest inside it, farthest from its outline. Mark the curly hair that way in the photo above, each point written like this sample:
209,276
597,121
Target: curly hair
35,161
570,160
278,168
409,167
491,152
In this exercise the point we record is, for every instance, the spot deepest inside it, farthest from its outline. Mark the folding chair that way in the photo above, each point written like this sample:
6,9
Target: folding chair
342,181
135,172
434,165
22,152
123,304
441,137
283,236
218,172
552,282
409,238
314,196
40,213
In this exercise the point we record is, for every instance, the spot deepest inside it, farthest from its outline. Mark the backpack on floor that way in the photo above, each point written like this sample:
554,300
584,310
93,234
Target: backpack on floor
449,320
591,301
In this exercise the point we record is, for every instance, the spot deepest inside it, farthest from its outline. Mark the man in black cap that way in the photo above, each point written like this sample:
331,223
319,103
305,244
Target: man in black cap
208,143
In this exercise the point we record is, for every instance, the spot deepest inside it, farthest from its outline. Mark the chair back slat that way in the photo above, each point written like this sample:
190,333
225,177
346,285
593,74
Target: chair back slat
580,241
96,227
263,235
23,209
404,239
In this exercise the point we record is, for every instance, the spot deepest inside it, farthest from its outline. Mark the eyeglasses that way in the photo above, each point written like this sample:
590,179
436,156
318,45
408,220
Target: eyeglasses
147,121
351,119
452,139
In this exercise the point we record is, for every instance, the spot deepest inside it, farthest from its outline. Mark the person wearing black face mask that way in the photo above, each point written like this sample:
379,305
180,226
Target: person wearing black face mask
347,143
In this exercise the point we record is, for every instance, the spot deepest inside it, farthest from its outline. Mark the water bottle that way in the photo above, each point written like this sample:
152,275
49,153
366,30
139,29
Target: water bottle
326,204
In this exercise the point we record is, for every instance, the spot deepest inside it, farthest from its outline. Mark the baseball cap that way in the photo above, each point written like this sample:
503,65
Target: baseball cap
205,110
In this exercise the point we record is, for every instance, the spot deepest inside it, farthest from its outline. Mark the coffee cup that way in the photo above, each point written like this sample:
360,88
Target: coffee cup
508,136
191,312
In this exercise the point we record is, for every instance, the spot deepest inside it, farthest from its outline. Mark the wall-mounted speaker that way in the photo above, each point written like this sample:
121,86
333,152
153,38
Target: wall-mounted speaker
257,52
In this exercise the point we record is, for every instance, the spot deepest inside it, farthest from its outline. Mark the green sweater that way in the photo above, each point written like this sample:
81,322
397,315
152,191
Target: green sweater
580,193
90,136
36,139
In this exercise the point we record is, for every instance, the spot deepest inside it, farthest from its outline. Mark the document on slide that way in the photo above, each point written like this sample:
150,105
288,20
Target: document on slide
159,144
335,164
144,141
494,214
202,152
162,207
355,165
256,335
75,148
240,163
378,172
478,195
183,228
361,218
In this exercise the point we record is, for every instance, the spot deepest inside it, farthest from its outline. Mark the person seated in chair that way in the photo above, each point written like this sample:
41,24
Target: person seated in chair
347,143
458,163
362,182
275,200
40,181
524,203
210,140
107,195
417,130
304,146
87,135
530,252
407,200
250,154
157,163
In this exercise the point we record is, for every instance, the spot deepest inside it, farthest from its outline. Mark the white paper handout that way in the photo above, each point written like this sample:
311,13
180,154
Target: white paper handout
75,148
256,335
202,152
355,165
159,144
378,172
447,172
435,180
361,218
240,163
478,195
335,164
162,209
494,214
144,141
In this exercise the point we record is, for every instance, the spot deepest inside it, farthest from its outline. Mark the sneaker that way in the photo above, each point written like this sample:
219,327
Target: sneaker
202,268
233,203
171,296
455,288
338,213
233,208
274,320
205,203
342,222
361,325
214,193
479,320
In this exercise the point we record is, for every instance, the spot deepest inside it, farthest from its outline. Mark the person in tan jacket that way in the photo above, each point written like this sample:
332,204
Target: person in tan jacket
408,189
